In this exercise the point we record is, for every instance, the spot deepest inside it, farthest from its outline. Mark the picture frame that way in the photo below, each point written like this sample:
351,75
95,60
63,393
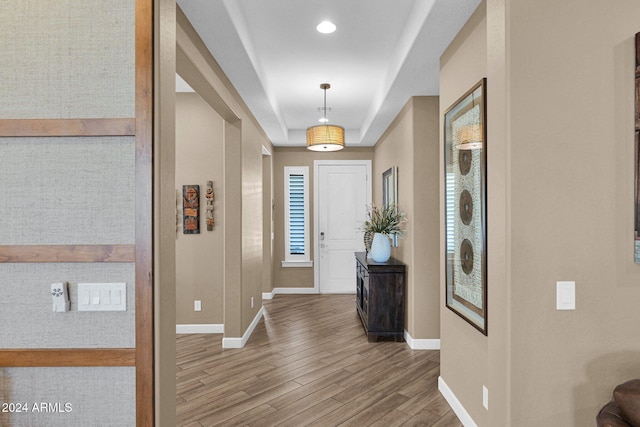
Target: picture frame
390,193
465,154
636,182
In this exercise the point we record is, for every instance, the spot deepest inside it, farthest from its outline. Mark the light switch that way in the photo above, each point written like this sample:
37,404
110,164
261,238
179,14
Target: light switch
105,296
95,297
115,297
565,295
102,297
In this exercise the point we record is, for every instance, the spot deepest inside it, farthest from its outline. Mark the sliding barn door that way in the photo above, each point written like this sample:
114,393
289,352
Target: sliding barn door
75,207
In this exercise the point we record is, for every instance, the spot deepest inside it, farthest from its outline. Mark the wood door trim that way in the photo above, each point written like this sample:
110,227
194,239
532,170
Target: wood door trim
145,384
67,253
67,127
28,358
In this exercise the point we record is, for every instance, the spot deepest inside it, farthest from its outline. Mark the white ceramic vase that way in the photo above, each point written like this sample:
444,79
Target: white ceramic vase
380,248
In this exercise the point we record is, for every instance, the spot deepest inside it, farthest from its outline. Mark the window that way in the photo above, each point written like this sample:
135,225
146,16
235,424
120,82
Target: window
296,220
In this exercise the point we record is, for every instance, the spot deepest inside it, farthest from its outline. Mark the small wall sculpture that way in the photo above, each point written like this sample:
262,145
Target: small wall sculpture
191,209
209,206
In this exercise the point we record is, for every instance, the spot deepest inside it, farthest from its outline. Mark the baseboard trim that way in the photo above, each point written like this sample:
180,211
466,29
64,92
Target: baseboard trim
298,291
240,342
200,329
277,291
421,344
455,404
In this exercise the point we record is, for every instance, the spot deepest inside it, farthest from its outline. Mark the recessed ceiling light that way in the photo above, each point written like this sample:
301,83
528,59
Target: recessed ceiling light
326,27
323,120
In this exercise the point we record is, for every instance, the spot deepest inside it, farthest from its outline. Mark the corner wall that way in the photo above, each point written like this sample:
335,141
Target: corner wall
411,143
199,257
571,175
243,141
560,149
464,350
268,205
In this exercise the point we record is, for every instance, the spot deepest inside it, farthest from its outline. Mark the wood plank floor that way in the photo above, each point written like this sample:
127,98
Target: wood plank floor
308,363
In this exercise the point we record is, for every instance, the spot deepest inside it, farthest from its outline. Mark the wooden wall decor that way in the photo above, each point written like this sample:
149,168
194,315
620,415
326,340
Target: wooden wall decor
191,209
637,157
209,206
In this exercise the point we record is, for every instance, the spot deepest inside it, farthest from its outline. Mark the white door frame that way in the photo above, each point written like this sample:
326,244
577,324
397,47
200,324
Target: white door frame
316,203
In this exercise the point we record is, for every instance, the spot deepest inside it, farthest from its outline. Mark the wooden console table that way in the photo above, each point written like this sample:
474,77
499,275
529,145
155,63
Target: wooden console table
380,290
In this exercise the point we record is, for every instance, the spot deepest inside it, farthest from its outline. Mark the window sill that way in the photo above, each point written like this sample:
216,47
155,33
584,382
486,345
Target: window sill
287,264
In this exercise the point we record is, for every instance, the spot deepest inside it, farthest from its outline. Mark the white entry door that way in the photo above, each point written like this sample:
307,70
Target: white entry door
342,193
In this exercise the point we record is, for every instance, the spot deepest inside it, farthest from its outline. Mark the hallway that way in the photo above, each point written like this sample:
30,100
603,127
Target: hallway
308,363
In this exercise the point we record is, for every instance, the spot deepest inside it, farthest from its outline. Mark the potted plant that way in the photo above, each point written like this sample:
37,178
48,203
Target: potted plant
381,225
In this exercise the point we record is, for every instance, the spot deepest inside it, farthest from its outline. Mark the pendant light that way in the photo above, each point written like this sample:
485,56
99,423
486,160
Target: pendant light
325,137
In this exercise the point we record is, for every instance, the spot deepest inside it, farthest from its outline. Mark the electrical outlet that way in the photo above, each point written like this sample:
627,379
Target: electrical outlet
251,302
565,295
485,398
197,305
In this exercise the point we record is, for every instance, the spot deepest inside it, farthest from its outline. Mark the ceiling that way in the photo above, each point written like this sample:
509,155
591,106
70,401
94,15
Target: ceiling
382,53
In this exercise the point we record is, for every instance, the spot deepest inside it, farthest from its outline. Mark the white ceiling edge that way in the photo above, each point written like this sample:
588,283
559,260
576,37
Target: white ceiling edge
416,66
240,23
381,111
412,71
182,86
246,82
407,40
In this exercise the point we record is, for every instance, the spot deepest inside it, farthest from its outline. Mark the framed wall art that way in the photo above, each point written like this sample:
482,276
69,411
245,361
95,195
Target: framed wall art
637,157
390,194
465,148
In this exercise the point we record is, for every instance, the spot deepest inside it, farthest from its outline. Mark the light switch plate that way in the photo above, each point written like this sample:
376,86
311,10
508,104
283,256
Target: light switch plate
565,295
102,297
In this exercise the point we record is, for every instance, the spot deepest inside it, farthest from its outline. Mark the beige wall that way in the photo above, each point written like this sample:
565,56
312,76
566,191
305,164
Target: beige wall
411,143
560,190
572,192
299,277
199,257
267,223
243,141
252,141
464,356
